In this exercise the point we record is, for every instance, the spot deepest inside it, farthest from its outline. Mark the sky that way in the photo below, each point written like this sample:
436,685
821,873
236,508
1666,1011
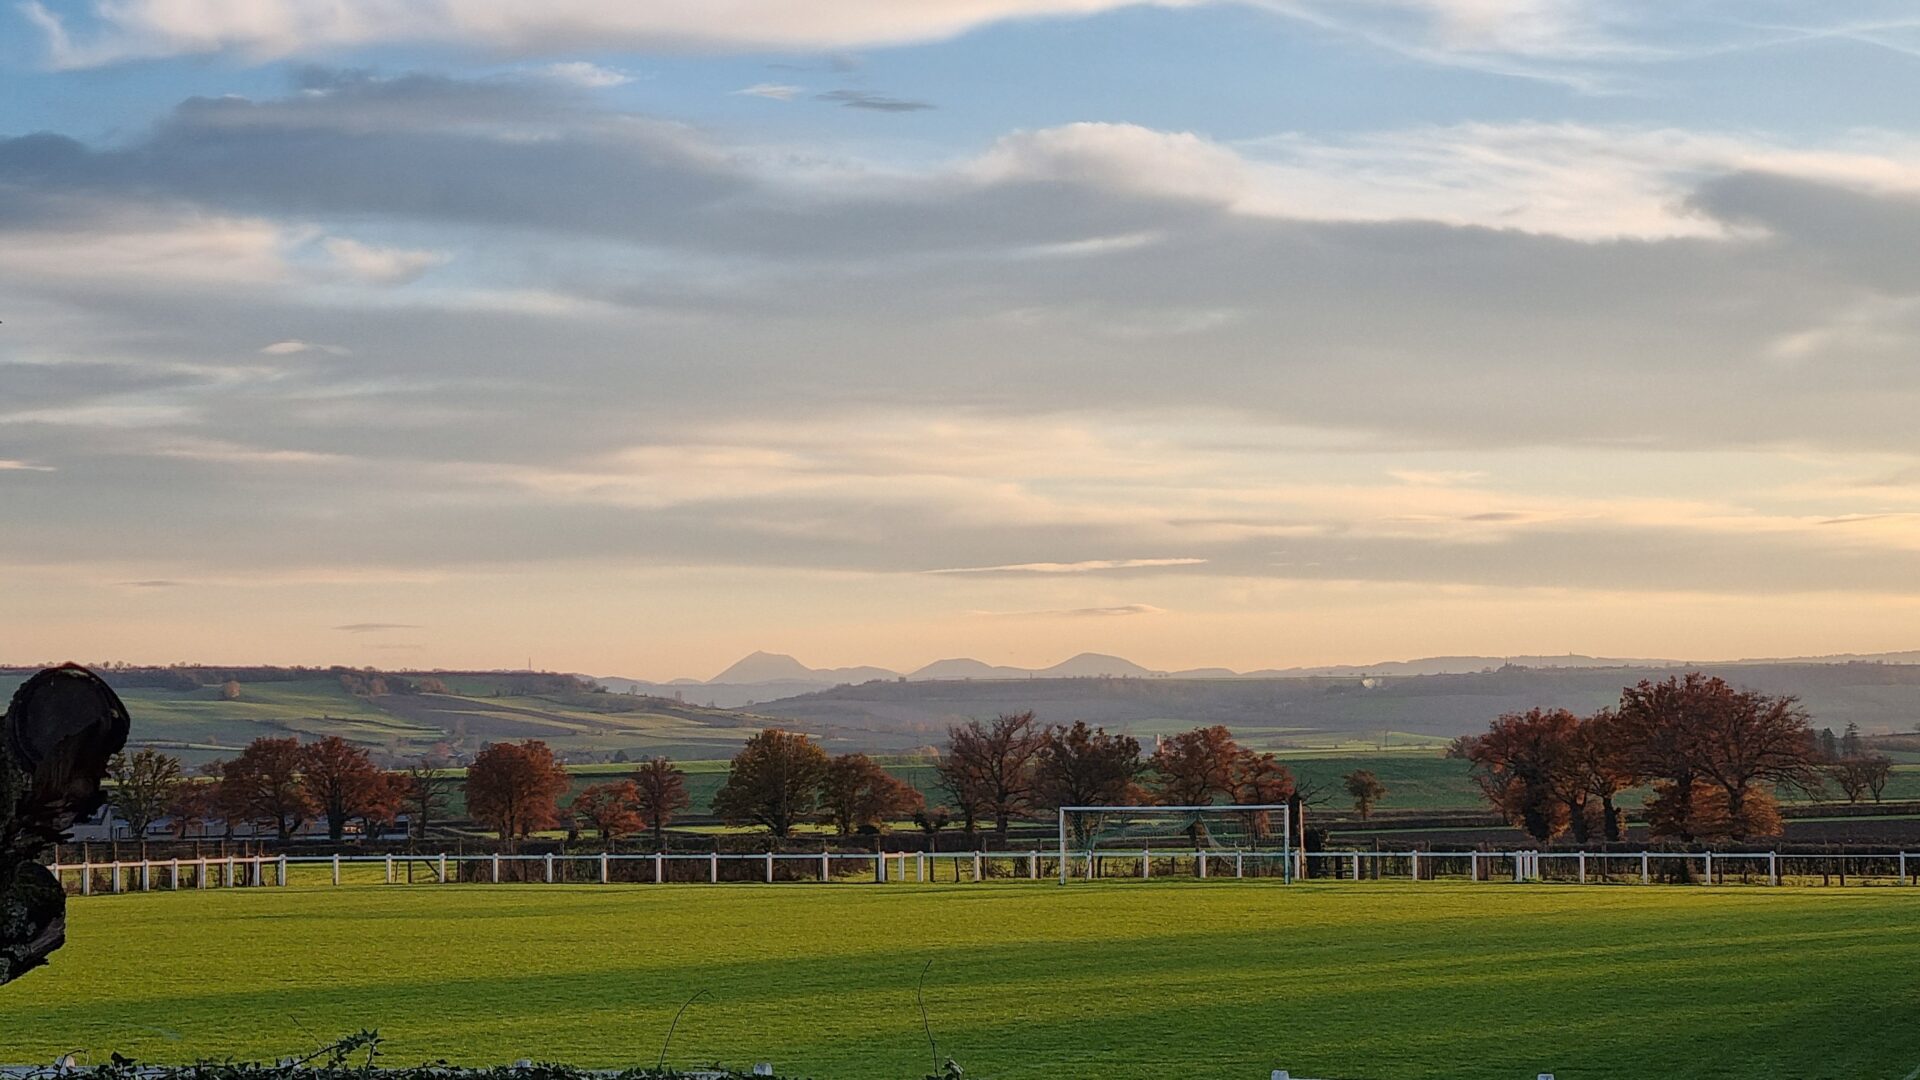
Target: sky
629,338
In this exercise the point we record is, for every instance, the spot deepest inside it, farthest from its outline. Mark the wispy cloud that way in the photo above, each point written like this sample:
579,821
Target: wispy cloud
1085,567
293,347
862,99
375,627
774,91
1117,611
10,465
582,73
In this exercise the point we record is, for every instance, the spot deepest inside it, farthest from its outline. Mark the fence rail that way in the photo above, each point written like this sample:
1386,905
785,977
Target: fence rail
1574,867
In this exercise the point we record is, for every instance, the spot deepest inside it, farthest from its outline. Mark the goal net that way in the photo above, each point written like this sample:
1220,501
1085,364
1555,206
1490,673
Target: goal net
1195,841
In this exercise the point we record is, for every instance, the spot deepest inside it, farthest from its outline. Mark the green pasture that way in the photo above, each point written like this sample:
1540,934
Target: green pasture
1184,979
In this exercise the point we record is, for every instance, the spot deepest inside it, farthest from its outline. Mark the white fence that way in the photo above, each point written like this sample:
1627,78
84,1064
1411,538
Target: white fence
1574,867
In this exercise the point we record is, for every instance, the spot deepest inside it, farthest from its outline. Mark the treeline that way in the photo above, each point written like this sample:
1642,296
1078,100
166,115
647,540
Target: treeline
1713,755
990,775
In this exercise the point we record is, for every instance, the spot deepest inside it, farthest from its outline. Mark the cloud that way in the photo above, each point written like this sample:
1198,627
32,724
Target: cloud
268,29
1437,477
1118,611
155,583
589,75
383,266
861,99
375,627
294,346
1084,567
10,465
775,91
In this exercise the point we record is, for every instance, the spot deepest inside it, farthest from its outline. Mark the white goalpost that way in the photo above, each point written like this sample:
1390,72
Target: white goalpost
1235,840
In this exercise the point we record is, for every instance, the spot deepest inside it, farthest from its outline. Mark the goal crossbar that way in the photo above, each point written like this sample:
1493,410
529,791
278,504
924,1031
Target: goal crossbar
1281,809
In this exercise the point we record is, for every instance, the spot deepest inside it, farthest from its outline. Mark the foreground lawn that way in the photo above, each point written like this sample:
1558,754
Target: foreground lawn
1166,979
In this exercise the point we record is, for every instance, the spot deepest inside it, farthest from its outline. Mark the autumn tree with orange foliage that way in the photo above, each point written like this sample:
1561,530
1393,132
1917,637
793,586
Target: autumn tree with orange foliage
263,785
860,796
1715,753
341,781
1191,768
1520,766
515,788
660,792
612,810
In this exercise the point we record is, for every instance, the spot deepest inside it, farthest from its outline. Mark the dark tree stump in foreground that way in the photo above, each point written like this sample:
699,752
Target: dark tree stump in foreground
61,729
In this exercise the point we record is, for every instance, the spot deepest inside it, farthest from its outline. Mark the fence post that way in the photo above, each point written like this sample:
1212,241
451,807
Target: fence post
1773,868
976,867
603,868
1146,864
549,867
441,870
86,879
496,868
920,866
1903,868
713,868
825,873
1200,863
769,867
1033,865
1646,876
1709,856
659,865
283,871
1583,868
1413,858
173,877
389,869
336,868
1239,864
879,868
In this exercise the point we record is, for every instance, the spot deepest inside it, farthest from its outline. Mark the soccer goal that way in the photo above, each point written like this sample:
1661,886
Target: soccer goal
1197,841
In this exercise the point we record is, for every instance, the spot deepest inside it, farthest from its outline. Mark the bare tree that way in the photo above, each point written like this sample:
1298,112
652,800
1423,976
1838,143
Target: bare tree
988,769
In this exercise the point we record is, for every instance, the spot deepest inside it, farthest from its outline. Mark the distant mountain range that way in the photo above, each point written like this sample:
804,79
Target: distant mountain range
765,676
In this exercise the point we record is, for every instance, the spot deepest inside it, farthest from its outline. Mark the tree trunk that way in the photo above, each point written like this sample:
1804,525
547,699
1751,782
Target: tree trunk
1611,819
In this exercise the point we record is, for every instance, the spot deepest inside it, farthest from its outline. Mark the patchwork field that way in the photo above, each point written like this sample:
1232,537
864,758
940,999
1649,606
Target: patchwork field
1161,980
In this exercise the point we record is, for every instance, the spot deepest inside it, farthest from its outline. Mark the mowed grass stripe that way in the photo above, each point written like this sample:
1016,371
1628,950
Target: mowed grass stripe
1218,979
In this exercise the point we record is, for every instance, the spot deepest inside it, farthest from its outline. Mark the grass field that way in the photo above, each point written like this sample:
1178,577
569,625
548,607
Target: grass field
1162,980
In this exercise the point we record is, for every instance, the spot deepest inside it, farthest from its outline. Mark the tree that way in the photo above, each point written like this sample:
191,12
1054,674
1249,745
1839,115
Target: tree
1850,741
1696,734
660,793
1260,779
1366,790
931,819
341,780
230,690
1661,729
1190,768
1601,766
988,770
610,809
1521,765
263,785
860,796
1859,776
773,782
429,785
514,788
194,802
1083,766
146,784
385,800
